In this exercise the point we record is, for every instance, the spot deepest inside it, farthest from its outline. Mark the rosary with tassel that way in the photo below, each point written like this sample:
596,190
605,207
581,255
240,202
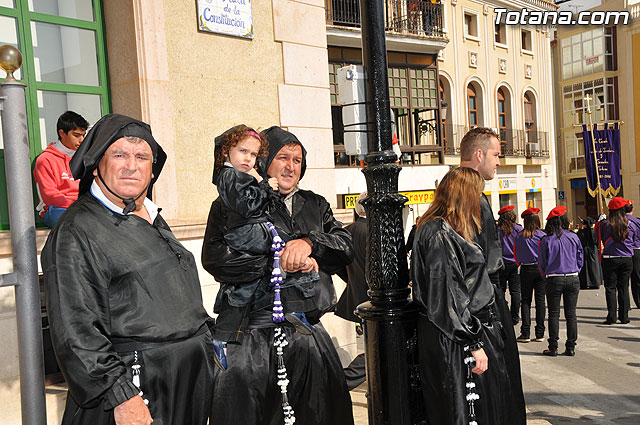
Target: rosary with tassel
280,339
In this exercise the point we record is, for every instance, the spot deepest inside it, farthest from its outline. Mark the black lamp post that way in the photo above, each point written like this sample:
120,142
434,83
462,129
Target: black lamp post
389,317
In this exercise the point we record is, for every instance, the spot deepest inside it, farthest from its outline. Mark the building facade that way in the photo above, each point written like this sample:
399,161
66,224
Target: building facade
595,65
450,68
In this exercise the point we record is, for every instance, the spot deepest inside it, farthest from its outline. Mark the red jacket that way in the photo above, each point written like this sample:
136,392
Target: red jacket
54,183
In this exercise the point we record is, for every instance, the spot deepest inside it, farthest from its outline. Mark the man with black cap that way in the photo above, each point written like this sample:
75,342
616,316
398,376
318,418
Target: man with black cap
124,300
247,391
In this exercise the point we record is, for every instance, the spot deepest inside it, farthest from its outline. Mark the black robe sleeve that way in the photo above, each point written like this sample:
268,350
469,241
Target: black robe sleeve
224,263
332,245
439,287
241,192
77,291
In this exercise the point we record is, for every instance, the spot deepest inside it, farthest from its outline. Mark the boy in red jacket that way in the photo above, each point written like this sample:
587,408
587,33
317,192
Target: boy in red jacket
55,185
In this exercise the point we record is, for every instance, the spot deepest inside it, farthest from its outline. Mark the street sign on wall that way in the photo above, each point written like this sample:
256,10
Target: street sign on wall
230,17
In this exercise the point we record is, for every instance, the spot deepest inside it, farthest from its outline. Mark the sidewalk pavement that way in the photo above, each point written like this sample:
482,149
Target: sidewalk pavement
361,417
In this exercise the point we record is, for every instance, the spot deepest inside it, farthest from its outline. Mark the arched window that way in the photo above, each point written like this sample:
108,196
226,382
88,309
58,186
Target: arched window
443,102
502,116
533,147
472,105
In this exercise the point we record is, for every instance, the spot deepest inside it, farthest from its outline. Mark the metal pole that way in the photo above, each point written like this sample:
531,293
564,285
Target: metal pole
595,158
23,241
389,317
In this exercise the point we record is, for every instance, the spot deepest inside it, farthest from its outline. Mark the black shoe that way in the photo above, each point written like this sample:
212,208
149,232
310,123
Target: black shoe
523,338
608,322
551,352
624,322
569,352
538,339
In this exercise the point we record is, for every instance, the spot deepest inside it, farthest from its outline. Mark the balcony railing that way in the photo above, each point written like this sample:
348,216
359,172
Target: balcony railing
419,17
515,142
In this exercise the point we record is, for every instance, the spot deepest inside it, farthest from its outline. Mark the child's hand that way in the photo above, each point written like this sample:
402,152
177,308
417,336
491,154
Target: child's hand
255,174
310,264
273,182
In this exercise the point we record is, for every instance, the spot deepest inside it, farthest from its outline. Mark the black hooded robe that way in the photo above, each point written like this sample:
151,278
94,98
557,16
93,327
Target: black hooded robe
591,271
492,251
118,287
354,274
247,392
452,287
115,284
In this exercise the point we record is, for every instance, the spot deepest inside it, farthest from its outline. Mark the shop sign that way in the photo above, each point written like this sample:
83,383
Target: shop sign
230,17
415,197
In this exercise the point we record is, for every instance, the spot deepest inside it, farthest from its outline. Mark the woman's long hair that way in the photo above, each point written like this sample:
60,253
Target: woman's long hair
619,224
531,224
506,221
556,224
458,201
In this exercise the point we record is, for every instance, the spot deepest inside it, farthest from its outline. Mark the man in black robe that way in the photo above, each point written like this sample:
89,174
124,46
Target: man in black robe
356,291
125,307
247,391
480,150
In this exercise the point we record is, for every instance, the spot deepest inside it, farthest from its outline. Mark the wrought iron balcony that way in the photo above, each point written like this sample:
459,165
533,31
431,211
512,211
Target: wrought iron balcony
419,17
515,142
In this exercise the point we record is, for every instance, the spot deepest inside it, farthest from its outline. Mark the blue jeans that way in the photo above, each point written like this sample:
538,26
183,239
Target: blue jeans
567,288
52,216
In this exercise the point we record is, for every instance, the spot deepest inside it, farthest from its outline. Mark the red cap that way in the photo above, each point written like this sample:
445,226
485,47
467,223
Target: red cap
629,202
617,203
557,212
505,209
530,211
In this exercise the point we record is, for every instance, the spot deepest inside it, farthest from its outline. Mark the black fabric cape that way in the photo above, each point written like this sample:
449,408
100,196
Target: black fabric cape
246,393
591,272
312,217
453,290
492,250
109,277
354,274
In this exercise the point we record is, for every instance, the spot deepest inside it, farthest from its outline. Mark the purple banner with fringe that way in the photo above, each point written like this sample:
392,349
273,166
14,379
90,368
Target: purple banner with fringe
607,148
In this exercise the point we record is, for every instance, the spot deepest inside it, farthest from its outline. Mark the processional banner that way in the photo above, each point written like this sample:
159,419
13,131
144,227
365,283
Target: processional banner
607,152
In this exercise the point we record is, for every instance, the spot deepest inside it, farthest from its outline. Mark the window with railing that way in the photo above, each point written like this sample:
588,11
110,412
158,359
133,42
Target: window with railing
603,95
418,17
413,97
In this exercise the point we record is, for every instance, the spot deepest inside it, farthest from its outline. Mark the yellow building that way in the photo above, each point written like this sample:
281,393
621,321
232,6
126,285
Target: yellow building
600,62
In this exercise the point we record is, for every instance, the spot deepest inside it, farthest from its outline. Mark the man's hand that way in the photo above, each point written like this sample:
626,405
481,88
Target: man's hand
132,412
273,182
482,361
295,254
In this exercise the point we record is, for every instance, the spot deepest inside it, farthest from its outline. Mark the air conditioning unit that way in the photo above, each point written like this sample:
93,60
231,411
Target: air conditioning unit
351,94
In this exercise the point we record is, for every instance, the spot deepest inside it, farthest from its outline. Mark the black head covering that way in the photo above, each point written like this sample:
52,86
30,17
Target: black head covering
279,138
588,222
103,134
